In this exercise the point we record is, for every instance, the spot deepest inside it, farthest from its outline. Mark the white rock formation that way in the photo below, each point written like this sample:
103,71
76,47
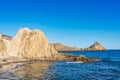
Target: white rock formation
30,44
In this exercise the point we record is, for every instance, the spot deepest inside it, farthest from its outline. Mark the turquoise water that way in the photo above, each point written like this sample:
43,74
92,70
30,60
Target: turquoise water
108,68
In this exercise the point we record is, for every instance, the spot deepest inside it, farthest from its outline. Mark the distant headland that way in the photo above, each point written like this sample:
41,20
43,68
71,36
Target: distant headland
62,47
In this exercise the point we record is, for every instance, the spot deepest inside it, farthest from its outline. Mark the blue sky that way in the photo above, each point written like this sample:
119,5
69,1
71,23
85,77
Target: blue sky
72,22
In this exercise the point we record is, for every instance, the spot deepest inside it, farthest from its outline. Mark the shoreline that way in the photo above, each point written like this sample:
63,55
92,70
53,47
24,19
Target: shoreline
60,57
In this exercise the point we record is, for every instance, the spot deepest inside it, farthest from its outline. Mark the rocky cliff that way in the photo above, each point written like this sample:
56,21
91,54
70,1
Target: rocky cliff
95,46
3,46
30,44
62,47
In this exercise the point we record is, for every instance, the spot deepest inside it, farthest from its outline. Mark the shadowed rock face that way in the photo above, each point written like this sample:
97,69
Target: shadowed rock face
61,47
95,46
4,43
30,44
3,46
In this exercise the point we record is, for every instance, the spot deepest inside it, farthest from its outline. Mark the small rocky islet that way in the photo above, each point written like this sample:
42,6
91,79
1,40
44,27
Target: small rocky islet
33,45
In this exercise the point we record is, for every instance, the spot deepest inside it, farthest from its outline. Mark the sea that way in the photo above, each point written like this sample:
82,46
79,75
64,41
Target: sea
107,68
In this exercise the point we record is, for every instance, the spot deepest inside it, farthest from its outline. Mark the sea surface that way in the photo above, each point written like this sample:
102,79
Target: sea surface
108,68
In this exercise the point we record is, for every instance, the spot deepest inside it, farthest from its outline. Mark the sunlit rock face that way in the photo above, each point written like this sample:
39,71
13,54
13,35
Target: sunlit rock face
30,44
96,46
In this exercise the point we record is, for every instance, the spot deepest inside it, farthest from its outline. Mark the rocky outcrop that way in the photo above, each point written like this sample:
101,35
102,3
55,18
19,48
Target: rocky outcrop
33,44
61,47
30,44
95,46
85,59
4,43
80,58
3,46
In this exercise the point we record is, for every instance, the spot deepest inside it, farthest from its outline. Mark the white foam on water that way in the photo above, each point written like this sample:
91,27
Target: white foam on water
73,62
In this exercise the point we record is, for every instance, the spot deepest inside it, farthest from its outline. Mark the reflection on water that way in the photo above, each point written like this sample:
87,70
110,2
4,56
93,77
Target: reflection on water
31,71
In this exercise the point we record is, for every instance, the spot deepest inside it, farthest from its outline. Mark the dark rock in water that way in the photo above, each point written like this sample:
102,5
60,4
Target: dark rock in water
80,58
63,56
85,59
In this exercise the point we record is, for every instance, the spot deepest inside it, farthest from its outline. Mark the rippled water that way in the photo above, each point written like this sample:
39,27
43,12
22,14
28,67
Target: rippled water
108,68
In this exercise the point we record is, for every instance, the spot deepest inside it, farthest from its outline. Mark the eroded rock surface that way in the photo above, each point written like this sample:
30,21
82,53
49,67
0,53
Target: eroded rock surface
30,44
3,46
